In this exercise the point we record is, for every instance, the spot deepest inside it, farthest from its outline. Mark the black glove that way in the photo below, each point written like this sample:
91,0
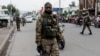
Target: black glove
61,44
40,48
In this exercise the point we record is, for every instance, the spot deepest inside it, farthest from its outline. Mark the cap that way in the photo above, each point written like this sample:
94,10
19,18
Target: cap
48,4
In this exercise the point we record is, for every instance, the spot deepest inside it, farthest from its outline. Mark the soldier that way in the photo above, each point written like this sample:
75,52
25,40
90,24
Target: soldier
86,22
46,31
18,22
23,20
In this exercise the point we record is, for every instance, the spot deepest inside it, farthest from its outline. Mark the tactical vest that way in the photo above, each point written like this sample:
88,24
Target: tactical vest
49,28
87,19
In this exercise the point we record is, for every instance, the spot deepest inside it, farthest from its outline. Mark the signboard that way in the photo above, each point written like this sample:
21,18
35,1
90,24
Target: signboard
58,10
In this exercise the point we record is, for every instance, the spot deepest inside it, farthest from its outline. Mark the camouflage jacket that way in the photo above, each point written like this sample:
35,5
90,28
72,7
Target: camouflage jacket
39,28
87,20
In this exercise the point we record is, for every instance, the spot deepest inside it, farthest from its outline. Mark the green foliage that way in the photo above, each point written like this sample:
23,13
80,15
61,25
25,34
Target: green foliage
72,4
65,13
4,7
12,10
70,12
17,12
77,12
10,7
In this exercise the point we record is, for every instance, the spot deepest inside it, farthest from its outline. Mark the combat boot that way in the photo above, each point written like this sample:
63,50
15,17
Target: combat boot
90,33
18,29
81,33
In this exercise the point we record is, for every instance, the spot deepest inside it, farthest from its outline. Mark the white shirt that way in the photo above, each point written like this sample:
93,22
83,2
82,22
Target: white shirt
98,19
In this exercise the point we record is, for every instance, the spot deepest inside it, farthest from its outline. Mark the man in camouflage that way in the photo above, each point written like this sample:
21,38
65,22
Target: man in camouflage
46,31
23,21
86,21
18,22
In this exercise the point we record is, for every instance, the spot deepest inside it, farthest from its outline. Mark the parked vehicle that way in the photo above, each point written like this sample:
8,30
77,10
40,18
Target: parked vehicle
79,21
5,19
97,22
29,19
61,43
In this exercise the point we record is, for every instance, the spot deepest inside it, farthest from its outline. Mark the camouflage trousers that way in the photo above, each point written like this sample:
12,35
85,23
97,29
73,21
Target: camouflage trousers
18,26
50,47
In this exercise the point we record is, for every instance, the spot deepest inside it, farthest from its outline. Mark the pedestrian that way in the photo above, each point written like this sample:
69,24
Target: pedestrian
46,31
18,22
98,18
86,22
23,21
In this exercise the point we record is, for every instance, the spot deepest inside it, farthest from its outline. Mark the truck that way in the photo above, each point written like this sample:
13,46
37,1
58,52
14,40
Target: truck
5,18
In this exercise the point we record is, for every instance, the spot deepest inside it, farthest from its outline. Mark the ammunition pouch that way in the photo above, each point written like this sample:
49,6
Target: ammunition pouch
49,33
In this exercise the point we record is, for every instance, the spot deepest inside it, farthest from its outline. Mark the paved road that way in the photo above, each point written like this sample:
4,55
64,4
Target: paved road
23,42
81,45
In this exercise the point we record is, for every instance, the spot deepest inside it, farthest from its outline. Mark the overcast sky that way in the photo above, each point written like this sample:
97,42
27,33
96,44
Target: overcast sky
29,5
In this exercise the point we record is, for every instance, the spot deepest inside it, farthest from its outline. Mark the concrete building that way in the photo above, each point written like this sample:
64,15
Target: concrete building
88,4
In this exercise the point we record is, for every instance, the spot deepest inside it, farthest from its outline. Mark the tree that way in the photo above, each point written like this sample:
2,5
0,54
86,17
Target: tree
4,7
77,12
69,12
72,4
11,9
17,12
65,13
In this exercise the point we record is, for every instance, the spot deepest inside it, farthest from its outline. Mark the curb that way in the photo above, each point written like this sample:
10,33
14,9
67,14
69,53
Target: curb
2,46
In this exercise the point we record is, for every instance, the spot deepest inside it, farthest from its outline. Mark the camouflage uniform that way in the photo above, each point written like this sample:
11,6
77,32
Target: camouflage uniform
18,23
86,23
23,21
49,45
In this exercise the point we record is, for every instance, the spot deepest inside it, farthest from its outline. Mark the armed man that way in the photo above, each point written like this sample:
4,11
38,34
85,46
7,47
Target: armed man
47,30
23,21
86,21
18,22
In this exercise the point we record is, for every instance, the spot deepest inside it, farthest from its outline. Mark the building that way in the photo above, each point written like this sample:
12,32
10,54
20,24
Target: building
90,5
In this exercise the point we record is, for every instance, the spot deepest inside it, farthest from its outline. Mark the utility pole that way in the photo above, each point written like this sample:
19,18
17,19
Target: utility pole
11,22
96,8
59,6
11,7
60,9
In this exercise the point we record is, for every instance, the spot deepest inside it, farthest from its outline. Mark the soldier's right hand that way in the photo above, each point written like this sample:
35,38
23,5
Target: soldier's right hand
39,48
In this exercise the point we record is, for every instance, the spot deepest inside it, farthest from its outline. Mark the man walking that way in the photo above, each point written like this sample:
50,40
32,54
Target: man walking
18,22
47,30
87,22
23,21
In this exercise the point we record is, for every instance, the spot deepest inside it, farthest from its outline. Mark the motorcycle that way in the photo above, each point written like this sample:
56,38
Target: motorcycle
61,43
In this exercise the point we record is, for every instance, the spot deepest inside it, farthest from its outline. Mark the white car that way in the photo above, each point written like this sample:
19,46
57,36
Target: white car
29,19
